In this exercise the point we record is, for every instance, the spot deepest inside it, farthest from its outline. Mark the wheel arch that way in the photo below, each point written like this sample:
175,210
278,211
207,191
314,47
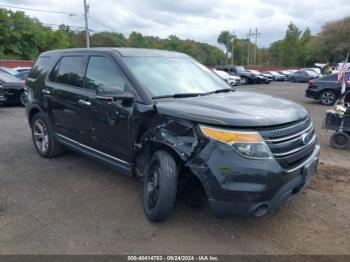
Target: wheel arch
175,136
33,111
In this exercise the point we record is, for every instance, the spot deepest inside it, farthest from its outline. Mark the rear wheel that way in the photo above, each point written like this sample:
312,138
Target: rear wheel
328,97
160,186
43,138
340,140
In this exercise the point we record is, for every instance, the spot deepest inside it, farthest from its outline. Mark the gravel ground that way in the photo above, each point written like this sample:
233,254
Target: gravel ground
71,205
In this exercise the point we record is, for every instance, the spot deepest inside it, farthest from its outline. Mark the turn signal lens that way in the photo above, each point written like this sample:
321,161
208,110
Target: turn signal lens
247,144
228,136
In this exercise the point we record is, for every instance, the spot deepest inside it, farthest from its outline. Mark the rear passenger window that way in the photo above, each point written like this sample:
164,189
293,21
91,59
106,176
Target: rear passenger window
332,77
102,71
39,67
69,71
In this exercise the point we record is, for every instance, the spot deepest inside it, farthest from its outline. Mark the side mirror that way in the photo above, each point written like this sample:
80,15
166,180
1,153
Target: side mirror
113,93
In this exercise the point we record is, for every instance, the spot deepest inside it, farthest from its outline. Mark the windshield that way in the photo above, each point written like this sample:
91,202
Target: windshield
5,77
274,73
310,71
164,76
8,70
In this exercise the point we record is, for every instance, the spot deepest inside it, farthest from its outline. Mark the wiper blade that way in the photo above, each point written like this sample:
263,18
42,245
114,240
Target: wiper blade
180,95
225,90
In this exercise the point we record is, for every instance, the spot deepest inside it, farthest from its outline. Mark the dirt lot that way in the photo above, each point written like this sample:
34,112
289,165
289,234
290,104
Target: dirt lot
71,205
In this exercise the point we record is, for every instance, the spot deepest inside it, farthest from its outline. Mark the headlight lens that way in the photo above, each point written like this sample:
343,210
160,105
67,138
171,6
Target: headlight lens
248,144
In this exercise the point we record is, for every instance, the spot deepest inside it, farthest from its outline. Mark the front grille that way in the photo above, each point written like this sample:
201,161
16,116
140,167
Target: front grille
291,144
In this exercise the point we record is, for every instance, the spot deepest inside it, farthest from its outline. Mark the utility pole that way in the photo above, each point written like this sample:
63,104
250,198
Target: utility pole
249,36
256,42
227,48
86,11
233,45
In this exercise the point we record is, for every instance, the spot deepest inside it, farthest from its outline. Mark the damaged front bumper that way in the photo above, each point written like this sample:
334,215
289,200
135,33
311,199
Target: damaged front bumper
239,186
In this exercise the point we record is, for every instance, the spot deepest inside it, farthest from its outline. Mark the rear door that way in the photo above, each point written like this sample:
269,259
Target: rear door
68,102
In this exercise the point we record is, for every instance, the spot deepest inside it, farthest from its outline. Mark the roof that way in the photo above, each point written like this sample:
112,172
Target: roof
124,51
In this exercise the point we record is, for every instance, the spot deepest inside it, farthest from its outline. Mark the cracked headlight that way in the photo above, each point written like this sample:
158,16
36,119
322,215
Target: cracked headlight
247,144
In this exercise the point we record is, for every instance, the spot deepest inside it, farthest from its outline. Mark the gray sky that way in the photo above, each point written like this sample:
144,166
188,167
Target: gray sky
200,20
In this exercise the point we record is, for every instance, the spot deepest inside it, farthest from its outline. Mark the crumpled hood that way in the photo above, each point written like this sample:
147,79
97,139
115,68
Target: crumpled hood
240,109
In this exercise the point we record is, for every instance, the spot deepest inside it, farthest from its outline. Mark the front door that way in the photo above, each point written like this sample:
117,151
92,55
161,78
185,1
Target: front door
111,126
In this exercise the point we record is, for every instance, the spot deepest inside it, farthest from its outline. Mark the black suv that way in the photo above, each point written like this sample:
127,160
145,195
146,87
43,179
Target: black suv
163,117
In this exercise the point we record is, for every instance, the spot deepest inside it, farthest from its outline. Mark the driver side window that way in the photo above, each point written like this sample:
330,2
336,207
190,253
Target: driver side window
102,71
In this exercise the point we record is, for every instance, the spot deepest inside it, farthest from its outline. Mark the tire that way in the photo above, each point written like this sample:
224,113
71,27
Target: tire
340,140
22,98
244,80
43,137
292,79
160,186
328,97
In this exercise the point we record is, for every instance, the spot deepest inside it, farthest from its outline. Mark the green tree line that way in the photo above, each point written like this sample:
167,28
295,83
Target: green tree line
297,48
22,37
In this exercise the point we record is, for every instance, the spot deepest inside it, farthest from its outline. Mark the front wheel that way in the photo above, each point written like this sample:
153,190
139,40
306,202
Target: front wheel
244,81
160,186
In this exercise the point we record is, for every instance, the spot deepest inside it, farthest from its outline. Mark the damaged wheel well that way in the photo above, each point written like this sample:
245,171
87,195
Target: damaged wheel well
144,156
187,180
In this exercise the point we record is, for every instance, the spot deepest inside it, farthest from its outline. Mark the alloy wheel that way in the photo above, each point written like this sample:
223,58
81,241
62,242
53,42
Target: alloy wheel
328,98
41,137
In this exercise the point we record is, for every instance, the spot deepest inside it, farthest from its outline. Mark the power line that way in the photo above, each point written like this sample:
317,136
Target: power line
56,25
102,24
40,10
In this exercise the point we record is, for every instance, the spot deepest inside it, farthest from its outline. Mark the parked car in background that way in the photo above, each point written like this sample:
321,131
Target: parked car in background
11,90
232,80
286,73
313,69
8,70
247,77
251,152
21,69
325,89
22,75
276,76
266,78
303,76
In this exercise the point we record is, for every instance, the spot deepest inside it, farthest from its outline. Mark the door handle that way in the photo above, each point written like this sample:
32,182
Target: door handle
84,102
45,91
